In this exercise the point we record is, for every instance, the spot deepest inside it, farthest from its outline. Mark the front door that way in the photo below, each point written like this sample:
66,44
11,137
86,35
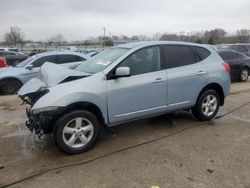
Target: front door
144,93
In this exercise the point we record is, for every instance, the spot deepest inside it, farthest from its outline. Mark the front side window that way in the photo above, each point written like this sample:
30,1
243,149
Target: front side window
102,60
40,61
143,61
178,55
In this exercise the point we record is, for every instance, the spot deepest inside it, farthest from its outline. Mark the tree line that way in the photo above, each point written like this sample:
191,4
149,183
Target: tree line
214,36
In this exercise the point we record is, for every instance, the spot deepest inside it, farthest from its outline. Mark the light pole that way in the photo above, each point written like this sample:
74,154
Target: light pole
104,35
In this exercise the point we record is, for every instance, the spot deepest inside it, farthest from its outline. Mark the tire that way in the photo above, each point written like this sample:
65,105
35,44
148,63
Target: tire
205,110
244,74
73,137
10,86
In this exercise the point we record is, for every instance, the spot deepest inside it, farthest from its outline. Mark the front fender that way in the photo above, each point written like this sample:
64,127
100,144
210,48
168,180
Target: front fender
71,98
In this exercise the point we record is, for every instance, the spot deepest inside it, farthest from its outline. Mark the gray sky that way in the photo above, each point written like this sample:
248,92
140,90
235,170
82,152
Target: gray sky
76,20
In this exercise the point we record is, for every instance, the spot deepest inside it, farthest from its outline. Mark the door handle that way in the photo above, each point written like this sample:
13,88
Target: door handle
158,80
201,72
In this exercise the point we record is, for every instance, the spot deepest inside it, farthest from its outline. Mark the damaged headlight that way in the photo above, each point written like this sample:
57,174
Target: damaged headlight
45,109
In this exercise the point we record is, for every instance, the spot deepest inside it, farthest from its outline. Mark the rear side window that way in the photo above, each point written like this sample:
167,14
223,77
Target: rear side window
248,47
202,52
178,55
227,55
239,48
69,58
40,61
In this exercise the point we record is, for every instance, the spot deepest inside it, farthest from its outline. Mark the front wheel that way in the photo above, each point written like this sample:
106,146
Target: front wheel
76,132
244,74
10,86
207,106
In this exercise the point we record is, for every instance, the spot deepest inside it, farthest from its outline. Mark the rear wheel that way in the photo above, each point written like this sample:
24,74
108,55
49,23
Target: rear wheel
10,86
207,105
244,74
76,132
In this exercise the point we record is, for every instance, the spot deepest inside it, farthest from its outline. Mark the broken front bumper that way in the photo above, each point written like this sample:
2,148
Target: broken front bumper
41,123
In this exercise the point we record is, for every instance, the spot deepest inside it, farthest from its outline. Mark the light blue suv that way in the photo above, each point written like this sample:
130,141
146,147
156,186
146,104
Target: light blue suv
125,83
12,78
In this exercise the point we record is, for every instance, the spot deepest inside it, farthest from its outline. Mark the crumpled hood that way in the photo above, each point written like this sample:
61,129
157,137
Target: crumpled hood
50,75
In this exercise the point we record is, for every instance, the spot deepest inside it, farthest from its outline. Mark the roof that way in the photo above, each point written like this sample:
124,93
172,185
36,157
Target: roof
61,52
147,43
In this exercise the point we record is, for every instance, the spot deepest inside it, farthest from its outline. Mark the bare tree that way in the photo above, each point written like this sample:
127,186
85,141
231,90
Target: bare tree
14,37
170,37
215,36
243,35
56,39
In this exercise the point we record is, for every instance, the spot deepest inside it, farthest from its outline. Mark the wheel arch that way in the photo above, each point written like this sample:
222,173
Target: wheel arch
218,88
88,106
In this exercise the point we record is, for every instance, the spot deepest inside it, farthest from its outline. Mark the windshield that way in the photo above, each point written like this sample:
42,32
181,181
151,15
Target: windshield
102,60
23,63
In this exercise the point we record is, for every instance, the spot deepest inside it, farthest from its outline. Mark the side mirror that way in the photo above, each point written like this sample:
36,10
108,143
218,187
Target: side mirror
29,67
122,72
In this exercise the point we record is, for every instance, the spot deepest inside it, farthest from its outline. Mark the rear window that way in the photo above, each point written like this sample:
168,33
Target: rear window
202,52
178,55
226,55
67,58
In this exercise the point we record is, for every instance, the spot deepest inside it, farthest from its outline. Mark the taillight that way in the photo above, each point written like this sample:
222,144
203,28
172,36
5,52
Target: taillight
5,63
226,66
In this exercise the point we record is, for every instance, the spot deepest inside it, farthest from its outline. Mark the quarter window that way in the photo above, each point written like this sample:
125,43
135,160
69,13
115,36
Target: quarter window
177,56
143,61
202,52
39,62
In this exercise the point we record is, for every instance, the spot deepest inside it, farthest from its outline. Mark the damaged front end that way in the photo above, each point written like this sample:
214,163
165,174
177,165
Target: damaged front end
36,121
42,122
32,98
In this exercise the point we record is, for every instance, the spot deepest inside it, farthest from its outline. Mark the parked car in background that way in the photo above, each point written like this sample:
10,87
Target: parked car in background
13,58
125,83
12,78
10,49
36,51
239,64
3,62
243,48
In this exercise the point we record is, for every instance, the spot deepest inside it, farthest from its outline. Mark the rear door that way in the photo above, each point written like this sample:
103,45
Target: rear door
187,74
69,60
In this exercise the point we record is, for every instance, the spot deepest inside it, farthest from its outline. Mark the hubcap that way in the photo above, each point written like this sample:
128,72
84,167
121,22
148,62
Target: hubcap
78,132
209,105
244,75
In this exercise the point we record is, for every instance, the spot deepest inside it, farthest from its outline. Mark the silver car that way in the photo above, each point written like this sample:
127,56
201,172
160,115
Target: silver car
12,78
125,83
